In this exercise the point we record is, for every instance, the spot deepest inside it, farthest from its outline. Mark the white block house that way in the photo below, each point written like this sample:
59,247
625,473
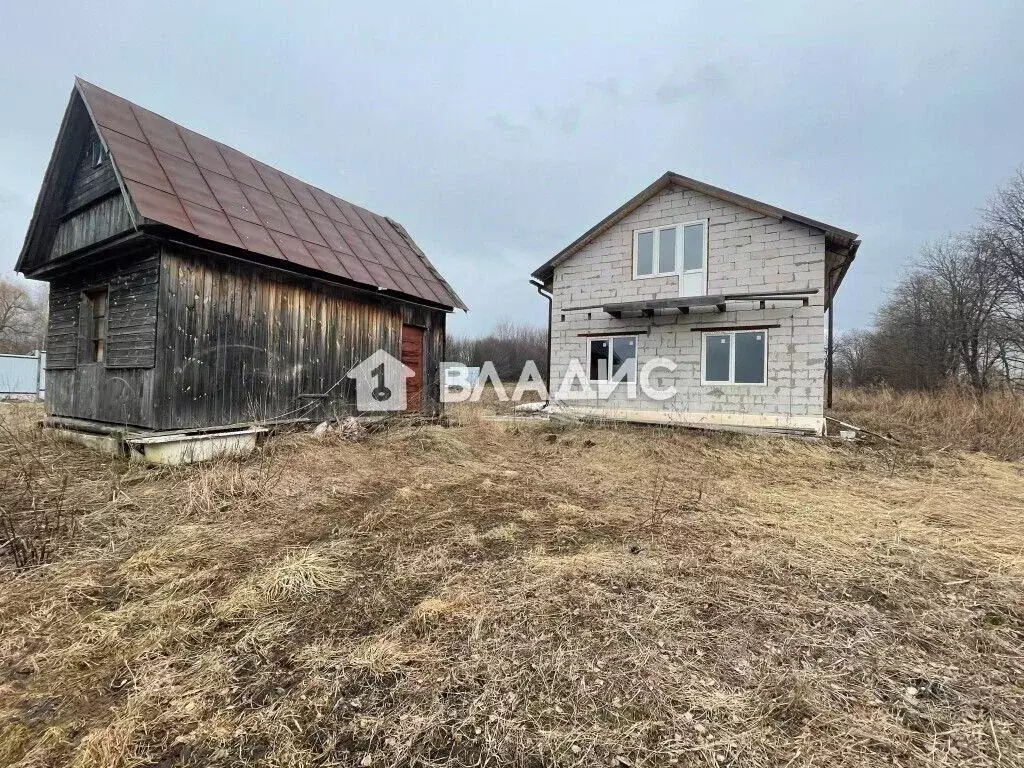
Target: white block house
713,301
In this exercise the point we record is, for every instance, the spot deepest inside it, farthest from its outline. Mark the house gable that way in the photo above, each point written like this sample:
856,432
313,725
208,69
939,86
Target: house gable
747,251
841,244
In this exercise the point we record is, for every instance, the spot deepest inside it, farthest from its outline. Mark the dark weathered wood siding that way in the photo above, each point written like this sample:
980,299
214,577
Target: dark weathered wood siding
93,208
132,314
90,181
95,223
62,328
118,390
196,340
237,342
121,396
80,204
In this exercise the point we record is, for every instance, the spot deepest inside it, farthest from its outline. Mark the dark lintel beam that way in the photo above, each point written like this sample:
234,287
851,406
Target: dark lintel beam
616,332
754,327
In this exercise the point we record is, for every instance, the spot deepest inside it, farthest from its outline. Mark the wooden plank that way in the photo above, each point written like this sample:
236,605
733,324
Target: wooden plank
89,180
132,315
287,337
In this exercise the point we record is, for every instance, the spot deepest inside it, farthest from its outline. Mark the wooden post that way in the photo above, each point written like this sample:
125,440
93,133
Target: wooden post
828,357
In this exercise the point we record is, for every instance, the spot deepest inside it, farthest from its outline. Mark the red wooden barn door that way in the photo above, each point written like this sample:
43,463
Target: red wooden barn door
412,356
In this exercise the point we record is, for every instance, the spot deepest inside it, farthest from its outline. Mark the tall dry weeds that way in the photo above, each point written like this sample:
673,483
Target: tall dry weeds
954,417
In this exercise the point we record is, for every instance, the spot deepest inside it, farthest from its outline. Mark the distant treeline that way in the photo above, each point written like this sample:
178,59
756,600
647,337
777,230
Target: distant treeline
957,314
509,346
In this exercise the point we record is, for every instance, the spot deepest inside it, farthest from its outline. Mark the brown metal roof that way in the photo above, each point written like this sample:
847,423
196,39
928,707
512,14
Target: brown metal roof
181,179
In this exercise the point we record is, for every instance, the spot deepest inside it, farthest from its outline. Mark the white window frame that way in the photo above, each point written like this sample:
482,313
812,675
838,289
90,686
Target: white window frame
611,350
656,256
732,358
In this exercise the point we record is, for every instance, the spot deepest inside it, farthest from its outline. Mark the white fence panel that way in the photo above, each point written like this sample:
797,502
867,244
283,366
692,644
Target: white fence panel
23,375
457,374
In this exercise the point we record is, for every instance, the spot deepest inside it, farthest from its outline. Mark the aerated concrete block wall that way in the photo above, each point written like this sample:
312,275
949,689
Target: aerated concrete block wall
747,252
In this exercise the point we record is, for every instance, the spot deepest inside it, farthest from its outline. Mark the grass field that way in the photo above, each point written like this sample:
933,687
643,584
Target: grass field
503,594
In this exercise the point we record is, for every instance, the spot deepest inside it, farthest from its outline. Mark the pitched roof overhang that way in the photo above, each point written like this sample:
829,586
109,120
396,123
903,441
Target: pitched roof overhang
176,180
837,240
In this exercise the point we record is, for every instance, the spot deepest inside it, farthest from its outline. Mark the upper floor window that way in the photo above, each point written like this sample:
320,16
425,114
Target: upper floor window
678,249
97,319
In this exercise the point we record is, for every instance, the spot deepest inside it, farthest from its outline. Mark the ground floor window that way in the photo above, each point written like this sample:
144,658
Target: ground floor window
735,357
612,358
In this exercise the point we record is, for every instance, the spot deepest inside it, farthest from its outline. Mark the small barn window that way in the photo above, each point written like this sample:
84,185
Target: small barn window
96,153
97,324
613,359
735,357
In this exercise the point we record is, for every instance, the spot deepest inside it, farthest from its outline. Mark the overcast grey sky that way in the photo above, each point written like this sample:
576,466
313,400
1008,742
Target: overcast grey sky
497,133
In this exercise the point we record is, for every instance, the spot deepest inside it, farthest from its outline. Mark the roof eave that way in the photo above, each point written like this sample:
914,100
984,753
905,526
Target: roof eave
544,272
160,232
851,254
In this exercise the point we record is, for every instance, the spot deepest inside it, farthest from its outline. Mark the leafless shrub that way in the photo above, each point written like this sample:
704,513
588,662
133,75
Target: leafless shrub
30,536
35,520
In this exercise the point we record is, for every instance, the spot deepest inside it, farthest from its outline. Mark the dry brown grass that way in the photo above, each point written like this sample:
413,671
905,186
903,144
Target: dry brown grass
952,418
510,595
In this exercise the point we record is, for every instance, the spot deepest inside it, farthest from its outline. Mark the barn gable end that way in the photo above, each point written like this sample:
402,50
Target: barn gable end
81,203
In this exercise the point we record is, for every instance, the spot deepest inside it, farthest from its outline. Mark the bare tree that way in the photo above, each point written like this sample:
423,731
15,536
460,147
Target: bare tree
855,363
969,278
942,321
1003,226
956,315
22,317
1003,230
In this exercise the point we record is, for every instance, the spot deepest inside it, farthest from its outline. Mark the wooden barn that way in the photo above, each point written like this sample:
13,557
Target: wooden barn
193,287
